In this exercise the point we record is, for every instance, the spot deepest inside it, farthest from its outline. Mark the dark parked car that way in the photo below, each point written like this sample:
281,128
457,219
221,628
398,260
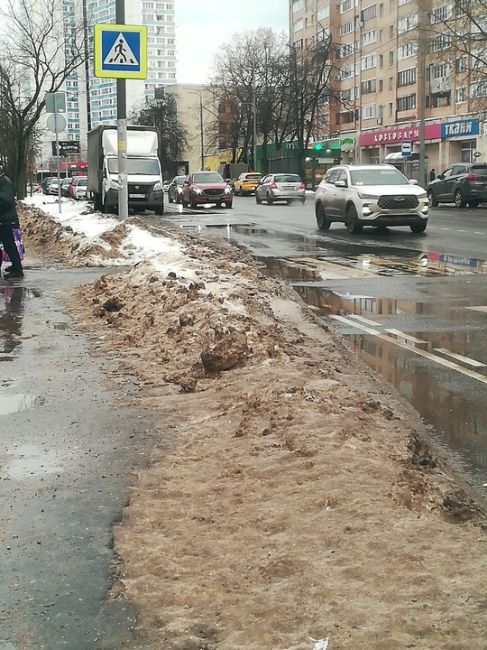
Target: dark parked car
206,187
460,183
175,190
46,183
65,186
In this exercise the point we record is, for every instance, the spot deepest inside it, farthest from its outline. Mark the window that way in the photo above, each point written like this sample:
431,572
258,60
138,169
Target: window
323,12
440,42
346,5
369,37
440,70
368,62
347,28
407,23
346,49
402,2
460,94
406,103
406,77
381,85
368,111
391,57
461,64
367,86
406,50
441,13
346,95
478,88
368,13
390,108
298,5
299,24
381,60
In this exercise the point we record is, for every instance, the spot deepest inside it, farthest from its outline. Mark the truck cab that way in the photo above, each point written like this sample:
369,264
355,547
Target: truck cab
144,177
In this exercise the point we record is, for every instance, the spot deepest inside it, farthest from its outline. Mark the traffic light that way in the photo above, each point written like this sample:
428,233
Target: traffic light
317,146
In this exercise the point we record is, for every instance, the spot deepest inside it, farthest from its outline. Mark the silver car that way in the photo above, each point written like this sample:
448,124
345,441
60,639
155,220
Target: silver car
280,187
370,195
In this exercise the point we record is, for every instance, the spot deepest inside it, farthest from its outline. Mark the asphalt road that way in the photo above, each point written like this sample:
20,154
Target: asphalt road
413,305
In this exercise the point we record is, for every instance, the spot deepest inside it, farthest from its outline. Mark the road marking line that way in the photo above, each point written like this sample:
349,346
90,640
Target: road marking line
461,230
446,228
478,232
407,337
459,357
421,353
367,321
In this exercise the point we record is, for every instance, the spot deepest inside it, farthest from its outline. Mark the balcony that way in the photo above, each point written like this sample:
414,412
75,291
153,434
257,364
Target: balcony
440,86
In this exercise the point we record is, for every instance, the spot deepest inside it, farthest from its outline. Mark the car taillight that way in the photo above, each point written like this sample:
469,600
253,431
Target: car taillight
473,177
274,185
301,186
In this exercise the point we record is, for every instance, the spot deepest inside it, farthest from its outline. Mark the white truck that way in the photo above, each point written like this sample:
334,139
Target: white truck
144,177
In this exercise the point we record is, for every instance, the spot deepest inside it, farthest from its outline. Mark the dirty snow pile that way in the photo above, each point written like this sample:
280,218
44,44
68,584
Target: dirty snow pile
292,497
88,238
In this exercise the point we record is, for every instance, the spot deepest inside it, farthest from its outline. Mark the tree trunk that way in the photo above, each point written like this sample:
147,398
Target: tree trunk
20,180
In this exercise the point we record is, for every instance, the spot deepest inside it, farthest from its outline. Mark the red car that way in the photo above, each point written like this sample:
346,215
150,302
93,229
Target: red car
206,187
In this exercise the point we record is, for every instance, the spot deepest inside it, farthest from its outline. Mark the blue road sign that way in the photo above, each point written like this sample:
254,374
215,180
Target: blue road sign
121,51
406,148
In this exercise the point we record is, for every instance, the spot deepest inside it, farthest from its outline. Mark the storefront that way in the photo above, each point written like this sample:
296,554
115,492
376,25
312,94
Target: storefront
460,141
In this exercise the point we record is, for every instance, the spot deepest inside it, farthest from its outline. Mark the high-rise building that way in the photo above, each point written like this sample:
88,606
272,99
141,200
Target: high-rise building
93,101
378,48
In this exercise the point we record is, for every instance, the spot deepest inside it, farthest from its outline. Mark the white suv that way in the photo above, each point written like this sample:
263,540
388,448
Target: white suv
370,195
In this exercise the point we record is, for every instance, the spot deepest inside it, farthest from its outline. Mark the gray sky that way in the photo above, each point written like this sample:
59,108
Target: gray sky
203,25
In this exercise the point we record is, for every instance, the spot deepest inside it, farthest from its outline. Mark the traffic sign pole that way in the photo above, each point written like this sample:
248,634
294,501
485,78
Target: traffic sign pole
123,197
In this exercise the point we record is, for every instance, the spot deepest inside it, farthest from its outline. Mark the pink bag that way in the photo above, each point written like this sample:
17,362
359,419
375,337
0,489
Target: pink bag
18,242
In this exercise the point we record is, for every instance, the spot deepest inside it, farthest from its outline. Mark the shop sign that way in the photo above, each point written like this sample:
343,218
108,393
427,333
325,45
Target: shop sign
397,135
347,144
459,128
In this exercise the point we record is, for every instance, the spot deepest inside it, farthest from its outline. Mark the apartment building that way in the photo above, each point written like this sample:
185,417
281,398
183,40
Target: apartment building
93,101
377,50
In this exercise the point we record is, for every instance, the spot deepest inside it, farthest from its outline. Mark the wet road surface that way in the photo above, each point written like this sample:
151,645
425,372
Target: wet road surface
414,306
68,448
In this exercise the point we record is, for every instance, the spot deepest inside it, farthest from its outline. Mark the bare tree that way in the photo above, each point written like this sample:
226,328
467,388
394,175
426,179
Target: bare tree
173,138
36,59
458,33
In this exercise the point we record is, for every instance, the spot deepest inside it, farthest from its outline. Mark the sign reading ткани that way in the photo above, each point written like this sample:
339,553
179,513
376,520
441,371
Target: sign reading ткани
459,127
121,51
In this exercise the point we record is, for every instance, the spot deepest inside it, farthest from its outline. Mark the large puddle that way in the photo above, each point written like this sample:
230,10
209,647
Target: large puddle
440,369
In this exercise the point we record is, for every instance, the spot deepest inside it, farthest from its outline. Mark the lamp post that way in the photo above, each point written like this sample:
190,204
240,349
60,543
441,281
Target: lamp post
254,122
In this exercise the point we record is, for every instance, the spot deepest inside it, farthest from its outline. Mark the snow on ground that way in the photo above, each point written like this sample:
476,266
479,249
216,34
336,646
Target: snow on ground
138,245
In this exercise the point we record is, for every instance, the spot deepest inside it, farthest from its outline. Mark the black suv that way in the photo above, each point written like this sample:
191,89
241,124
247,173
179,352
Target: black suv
461,183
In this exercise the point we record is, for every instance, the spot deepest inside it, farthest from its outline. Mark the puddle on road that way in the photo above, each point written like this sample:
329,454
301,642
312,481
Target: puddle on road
454,404
10,404
11,314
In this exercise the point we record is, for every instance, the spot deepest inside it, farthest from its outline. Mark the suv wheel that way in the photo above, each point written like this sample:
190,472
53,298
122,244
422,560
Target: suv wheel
459,199
269,198
419,227
321,219
432,202
353,225
258,200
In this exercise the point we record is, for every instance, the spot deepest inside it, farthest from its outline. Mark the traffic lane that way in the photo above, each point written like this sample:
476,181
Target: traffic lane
456,231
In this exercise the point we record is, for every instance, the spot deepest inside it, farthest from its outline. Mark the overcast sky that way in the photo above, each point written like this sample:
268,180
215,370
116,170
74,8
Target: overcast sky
202,26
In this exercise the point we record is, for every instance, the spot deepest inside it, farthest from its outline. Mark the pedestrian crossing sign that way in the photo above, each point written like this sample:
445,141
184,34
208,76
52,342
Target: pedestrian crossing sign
120,51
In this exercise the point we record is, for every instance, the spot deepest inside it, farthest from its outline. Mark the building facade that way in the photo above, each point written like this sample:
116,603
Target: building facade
92,101
378,48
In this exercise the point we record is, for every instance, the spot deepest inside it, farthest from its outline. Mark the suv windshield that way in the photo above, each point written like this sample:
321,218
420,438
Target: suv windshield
378,177
207,177
149,167
287,178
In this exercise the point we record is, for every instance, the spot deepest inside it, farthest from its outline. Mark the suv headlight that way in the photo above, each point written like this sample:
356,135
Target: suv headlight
370,197
423,195
228,190
197,190
157,186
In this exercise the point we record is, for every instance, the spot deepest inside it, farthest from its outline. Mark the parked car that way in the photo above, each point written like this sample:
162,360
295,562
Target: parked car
246,183
206,187
460,183
370,195
65,183
79,187
175,191
46,183
53,187
280,187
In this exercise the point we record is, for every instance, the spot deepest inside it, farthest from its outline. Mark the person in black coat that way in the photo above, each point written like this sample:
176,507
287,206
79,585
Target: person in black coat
8,221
